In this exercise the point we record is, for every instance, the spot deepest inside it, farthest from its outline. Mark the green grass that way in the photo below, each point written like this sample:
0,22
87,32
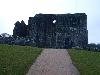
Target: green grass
87,62
16,60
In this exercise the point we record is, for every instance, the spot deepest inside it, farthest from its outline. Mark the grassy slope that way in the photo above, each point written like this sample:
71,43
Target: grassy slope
16,60
87,62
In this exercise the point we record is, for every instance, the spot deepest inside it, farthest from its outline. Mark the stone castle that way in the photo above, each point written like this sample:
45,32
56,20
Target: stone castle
55,30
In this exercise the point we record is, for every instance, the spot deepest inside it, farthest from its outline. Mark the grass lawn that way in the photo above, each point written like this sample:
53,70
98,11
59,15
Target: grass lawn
16,60
87,62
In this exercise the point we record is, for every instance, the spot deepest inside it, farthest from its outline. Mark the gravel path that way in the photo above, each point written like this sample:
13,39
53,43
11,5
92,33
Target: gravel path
53,62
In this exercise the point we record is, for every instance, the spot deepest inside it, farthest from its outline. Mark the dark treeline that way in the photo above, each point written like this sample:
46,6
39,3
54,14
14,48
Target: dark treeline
93,47
8,39
20,35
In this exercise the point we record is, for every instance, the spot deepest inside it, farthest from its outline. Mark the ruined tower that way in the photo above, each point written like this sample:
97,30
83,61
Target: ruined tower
59,30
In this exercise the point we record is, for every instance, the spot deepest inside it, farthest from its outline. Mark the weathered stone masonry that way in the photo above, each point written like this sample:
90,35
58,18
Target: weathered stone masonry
59,30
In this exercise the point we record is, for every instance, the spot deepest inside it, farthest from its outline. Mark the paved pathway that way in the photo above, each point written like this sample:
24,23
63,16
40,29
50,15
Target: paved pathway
53,62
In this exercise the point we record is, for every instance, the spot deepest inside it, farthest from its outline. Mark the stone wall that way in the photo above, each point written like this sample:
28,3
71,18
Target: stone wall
59,30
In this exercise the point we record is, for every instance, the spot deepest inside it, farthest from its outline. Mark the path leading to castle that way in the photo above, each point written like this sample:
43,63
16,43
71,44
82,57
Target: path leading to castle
53,62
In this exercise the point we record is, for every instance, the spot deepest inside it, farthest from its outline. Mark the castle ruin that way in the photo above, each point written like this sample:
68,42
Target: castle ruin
58,30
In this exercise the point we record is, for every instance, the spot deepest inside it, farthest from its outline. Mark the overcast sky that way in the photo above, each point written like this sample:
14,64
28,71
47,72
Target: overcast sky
17,10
